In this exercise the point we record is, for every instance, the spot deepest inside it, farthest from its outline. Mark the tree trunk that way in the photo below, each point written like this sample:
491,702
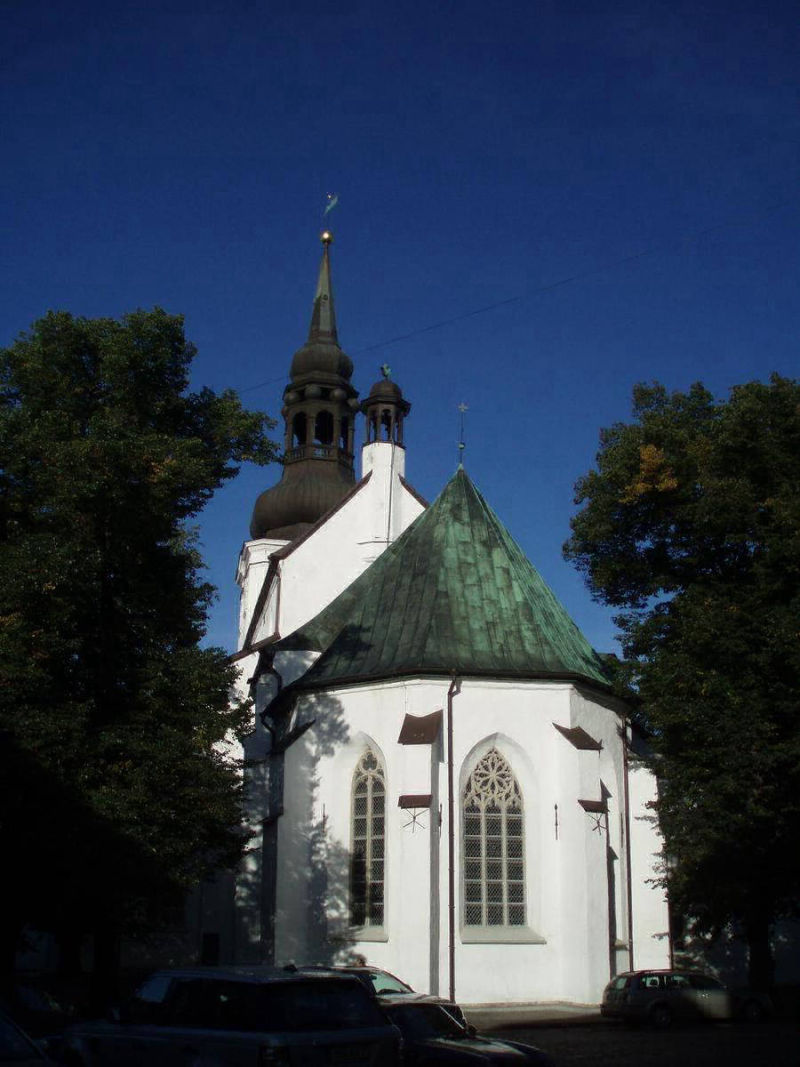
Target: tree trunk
760,964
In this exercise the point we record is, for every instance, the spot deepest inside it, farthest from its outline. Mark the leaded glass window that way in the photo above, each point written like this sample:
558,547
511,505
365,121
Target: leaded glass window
367,876
494,858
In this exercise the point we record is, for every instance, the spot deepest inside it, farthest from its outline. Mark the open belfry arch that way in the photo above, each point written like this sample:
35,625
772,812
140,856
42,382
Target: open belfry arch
438,777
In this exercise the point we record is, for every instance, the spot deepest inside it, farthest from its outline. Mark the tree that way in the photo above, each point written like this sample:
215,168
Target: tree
691,525
116,794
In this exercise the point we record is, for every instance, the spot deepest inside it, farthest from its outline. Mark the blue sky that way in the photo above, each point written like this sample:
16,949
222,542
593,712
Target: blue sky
179,154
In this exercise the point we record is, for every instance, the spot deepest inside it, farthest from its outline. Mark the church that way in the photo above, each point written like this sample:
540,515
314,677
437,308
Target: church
439,778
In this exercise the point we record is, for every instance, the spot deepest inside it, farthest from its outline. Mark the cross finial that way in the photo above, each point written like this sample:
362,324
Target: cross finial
462,407
386,370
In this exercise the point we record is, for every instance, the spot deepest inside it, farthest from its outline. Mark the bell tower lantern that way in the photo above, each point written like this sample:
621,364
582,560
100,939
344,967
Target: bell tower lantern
319,409
385,410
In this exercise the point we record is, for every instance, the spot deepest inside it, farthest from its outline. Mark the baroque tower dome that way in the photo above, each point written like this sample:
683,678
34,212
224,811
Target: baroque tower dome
319,409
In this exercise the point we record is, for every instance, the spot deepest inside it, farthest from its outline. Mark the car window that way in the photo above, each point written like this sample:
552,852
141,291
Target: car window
334,1005
148,1003
383,982
274,1007
194,1003
677,981
416,1022
652,981
621,982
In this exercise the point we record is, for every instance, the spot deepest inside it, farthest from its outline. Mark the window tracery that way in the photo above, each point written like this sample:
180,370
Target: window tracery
494,859
367,863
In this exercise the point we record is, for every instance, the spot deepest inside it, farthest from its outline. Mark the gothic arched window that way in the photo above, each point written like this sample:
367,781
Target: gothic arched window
494,859
367,855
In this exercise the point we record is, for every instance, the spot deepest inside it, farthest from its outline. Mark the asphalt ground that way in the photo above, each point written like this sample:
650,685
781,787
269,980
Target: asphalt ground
583,1039
491,1016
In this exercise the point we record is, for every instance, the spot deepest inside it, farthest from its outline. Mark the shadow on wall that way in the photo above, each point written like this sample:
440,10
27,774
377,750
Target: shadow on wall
306,920
328,860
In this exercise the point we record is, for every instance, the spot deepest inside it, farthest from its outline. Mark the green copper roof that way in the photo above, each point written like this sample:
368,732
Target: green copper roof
453,593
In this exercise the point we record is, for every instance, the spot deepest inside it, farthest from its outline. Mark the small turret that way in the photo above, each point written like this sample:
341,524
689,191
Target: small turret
385,409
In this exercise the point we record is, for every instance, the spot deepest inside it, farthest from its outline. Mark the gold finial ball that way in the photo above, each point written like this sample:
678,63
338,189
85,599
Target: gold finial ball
326,237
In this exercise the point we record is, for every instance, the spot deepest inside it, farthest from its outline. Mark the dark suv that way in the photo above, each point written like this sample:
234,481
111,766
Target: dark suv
240,1017
383,983
658,997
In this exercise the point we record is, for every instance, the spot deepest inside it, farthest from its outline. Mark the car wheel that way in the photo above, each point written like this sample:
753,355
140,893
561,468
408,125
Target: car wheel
660,1016
753,1012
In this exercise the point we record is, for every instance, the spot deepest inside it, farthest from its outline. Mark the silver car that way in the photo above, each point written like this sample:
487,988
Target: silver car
658,997
239,1017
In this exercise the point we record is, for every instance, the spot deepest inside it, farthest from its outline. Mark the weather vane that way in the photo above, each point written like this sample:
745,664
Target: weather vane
386,370
462,407
331,200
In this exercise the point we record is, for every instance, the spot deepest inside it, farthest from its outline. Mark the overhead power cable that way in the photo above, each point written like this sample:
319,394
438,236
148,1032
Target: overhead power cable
550,286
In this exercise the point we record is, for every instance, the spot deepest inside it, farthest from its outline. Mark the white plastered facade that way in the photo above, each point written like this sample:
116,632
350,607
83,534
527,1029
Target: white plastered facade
284,585
587,861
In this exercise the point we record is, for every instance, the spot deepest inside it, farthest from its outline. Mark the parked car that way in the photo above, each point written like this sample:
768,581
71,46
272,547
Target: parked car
431,1036
239,1017
17,1048
658,997
382,983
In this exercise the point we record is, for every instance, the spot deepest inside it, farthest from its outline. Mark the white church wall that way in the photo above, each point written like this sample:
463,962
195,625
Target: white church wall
605,780
337,552
394,508
580,919
565,876
269,616
651,945
250,575
650,918
323,565
581,913
291,665
245,668
347,723
334,555
297,908
564,952
507,966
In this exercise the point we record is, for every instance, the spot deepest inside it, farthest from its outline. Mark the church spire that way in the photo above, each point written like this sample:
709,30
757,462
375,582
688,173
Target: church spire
323,315
319,409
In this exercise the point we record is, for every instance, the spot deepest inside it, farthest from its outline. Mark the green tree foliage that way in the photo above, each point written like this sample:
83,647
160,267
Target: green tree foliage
115,790
690,524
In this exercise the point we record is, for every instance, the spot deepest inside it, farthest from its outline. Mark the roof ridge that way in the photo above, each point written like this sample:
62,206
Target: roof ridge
454,591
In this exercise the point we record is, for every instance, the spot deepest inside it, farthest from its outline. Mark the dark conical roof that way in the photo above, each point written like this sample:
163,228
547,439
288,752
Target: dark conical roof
304,494
453,593
319,406
321,352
